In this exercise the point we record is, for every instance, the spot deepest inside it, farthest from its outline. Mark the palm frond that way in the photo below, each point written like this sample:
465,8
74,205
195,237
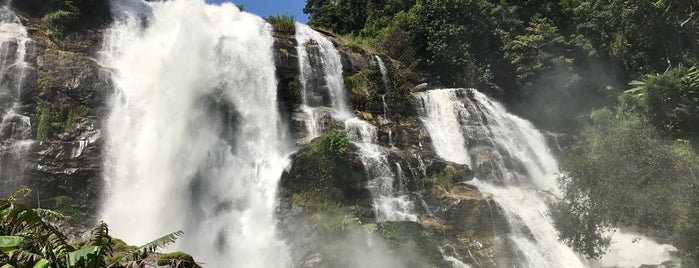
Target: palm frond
50,215
149,247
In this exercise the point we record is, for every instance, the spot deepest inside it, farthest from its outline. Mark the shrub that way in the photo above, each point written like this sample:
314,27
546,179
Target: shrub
283,24
50,121
57,23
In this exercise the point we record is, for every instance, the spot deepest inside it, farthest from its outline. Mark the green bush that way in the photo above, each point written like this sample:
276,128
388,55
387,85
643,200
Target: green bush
365,84
59,22
670,99
50,121
283,24
334,142
622,173
55,119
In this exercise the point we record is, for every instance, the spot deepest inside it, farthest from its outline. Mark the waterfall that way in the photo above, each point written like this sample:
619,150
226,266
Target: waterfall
15,127
511,162
389,204
322,92
384,74
322,84
387,120
194,143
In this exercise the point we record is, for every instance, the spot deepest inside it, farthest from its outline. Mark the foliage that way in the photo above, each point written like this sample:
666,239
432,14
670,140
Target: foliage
670,99
548,58
622,173
334,143
50,122
686,231
365,84
61,20
449,29
55,119
540,48
341,16
28,239
283,24
67,206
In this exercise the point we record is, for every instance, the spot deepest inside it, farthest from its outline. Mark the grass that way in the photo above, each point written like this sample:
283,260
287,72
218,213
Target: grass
283,24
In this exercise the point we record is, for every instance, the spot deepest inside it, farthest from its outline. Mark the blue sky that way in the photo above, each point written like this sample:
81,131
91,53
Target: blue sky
265,8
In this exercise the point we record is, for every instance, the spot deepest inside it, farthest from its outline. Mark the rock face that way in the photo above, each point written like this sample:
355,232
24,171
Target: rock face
325,202
64,95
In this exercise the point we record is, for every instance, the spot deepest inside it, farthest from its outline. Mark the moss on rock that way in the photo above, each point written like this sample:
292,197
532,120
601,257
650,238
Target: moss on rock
177,259
325,172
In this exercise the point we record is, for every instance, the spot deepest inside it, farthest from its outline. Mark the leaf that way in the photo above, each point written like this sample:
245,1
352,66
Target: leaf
20,219
10,243
43,263
49,215
88,254
149,247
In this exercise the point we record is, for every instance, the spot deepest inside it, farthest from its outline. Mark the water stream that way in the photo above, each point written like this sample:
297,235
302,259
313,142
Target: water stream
192,142
15,125
512,163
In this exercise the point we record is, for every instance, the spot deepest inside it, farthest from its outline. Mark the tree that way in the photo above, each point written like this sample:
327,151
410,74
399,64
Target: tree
540,48
622,173
340,16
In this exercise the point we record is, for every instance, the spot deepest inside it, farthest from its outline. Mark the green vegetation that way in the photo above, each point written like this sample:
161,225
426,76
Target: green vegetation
283,24
334,143
29,239
63,17
670,99
365,85
67,206
55,119
177,259
551,60
449,176
625,171
45,83
57,23
50,121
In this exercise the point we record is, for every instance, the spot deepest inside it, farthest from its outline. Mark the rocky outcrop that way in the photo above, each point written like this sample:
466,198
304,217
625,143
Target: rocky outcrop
64,95
324,197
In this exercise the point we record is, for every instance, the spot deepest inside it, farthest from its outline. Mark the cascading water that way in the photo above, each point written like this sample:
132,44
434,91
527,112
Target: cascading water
384,74
390,205
15,127
322,83
514,164
507,150
192,142
322,90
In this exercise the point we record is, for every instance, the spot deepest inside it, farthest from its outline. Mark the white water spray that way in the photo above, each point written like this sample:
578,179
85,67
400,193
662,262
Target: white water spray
15,127
194,140
390,204
322,83
514,164
322,87
501,148
384,74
